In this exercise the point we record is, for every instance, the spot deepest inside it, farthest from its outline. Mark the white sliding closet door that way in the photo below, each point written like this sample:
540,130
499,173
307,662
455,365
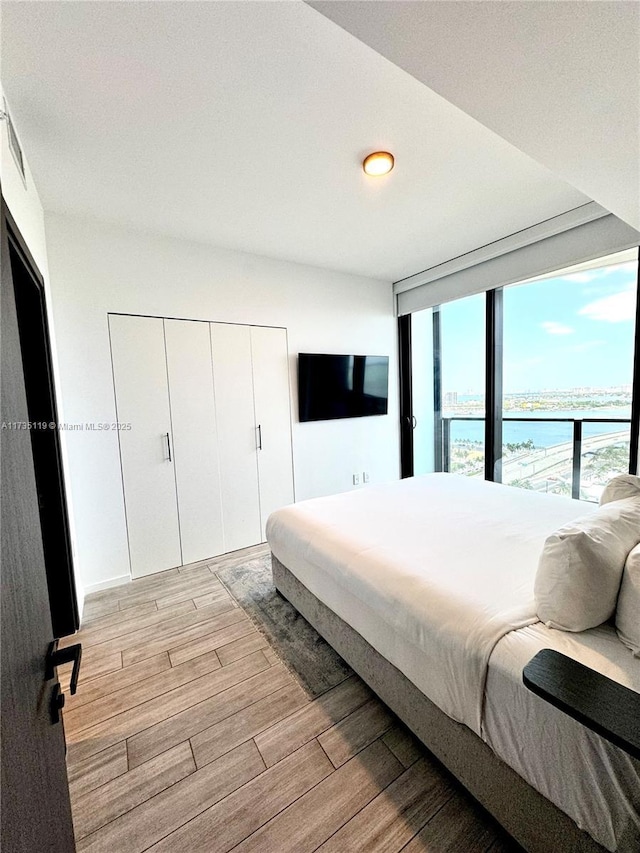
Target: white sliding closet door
142,399
237,434
195,442
273,417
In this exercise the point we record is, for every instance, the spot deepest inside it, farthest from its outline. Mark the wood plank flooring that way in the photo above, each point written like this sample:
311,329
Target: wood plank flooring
189,733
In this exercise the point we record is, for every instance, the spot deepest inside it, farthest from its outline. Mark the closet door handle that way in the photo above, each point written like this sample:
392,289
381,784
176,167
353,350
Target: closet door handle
168,447
259,436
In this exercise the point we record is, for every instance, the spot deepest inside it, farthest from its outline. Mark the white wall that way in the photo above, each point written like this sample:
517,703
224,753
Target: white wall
98,268
23,202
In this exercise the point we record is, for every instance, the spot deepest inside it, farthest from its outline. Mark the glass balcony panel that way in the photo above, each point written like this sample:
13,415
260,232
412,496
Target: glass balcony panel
605,453
466,447
538,455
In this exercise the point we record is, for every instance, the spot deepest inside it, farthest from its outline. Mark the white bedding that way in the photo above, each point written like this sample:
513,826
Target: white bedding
437,574
431,571
592,781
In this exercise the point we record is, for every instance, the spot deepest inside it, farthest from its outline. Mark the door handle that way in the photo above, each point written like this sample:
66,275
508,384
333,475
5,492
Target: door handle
414,422
56,657
168,446
259,436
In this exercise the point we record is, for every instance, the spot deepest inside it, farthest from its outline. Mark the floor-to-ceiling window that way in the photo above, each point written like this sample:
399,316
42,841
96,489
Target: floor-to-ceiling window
448,366
462,385
423,380
568,373
563,382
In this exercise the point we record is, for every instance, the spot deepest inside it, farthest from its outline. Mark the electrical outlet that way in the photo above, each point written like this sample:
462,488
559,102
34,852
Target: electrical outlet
356,479
365,477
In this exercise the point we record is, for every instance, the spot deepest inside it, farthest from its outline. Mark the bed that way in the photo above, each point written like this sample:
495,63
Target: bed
425,587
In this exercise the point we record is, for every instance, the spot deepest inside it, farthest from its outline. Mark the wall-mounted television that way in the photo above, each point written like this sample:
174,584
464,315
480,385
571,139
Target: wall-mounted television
342,386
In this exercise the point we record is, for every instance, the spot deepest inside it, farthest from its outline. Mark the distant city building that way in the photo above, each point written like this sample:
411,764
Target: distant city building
451,398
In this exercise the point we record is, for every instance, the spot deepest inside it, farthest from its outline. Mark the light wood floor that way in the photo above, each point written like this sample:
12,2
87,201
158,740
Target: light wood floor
188,734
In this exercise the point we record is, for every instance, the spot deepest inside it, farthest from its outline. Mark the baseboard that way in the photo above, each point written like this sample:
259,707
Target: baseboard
96,587
80,596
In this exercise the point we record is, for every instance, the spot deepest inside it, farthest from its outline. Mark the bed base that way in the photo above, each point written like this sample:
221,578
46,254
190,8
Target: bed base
535,822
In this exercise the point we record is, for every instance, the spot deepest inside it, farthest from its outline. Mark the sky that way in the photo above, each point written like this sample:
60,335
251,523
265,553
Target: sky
559,333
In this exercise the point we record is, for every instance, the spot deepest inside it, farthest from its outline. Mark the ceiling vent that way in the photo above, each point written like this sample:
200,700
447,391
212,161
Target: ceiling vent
14,144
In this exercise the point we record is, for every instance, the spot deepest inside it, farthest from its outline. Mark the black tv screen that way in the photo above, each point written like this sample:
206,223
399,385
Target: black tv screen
342,386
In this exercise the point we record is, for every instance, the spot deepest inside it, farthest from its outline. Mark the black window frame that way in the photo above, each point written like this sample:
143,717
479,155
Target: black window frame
494,344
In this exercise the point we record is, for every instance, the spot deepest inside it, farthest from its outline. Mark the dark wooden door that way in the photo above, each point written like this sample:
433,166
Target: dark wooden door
28,289
36,813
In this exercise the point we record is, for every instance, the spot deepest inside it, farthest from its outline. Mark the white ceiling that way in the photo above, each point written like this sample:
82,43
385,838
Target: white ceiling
243,124
560,80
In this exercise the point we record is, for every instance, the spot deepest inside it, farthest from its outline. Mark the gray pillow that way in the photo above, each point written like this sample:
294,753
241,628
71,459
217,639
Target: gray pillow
581,565
628,609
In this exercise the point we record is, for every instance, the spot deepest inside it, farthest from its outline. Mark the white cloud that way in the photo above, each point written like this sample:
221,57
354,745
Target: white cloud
587,276
553,328
616,308
582,277
630,267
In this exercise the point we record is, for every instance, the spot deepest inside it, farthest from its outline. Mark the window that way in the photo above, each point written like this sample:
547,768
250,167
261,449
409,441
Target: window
462,385
422,381
567,379
563,386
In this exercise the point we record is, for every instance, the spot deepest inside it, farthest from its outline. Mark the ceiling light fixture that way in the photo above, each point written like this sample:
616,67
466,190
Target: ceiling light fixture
378,163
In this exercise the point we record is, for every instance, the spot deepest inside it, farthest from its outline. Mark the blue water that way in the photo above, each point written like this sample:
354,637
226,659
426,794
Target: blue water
543,434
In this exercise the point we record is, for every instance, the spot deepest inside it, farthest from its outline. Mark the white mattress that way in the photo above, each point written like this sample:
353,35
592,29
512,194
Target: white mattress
432,571
417,567
594,782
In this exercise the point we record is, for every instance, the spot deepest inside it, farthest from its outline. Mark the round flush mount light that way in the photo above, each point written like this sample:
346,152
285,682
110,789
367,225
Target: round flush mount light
378,163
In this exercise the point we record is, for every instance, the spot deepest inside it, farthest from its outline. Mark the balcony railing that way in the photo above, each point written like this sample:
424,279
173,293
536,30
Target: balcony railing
554,468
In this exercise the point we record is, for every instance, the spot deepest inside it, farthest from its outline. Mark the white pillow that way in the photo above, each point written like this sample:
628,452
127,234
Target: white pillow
581,566
622,486
628,611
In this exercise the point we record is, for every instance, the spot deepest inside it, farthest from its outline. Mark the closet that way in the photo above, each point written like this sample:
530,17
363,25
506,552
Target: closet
207,457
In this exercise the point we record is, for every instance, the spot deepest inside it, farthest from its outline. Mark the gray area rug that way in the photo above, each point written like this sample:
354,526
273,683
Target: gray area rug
310,658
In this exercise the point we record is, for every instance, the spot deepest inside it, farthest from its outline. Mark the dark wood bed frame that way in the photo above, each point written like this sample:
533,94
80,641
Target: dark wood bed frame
536,823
